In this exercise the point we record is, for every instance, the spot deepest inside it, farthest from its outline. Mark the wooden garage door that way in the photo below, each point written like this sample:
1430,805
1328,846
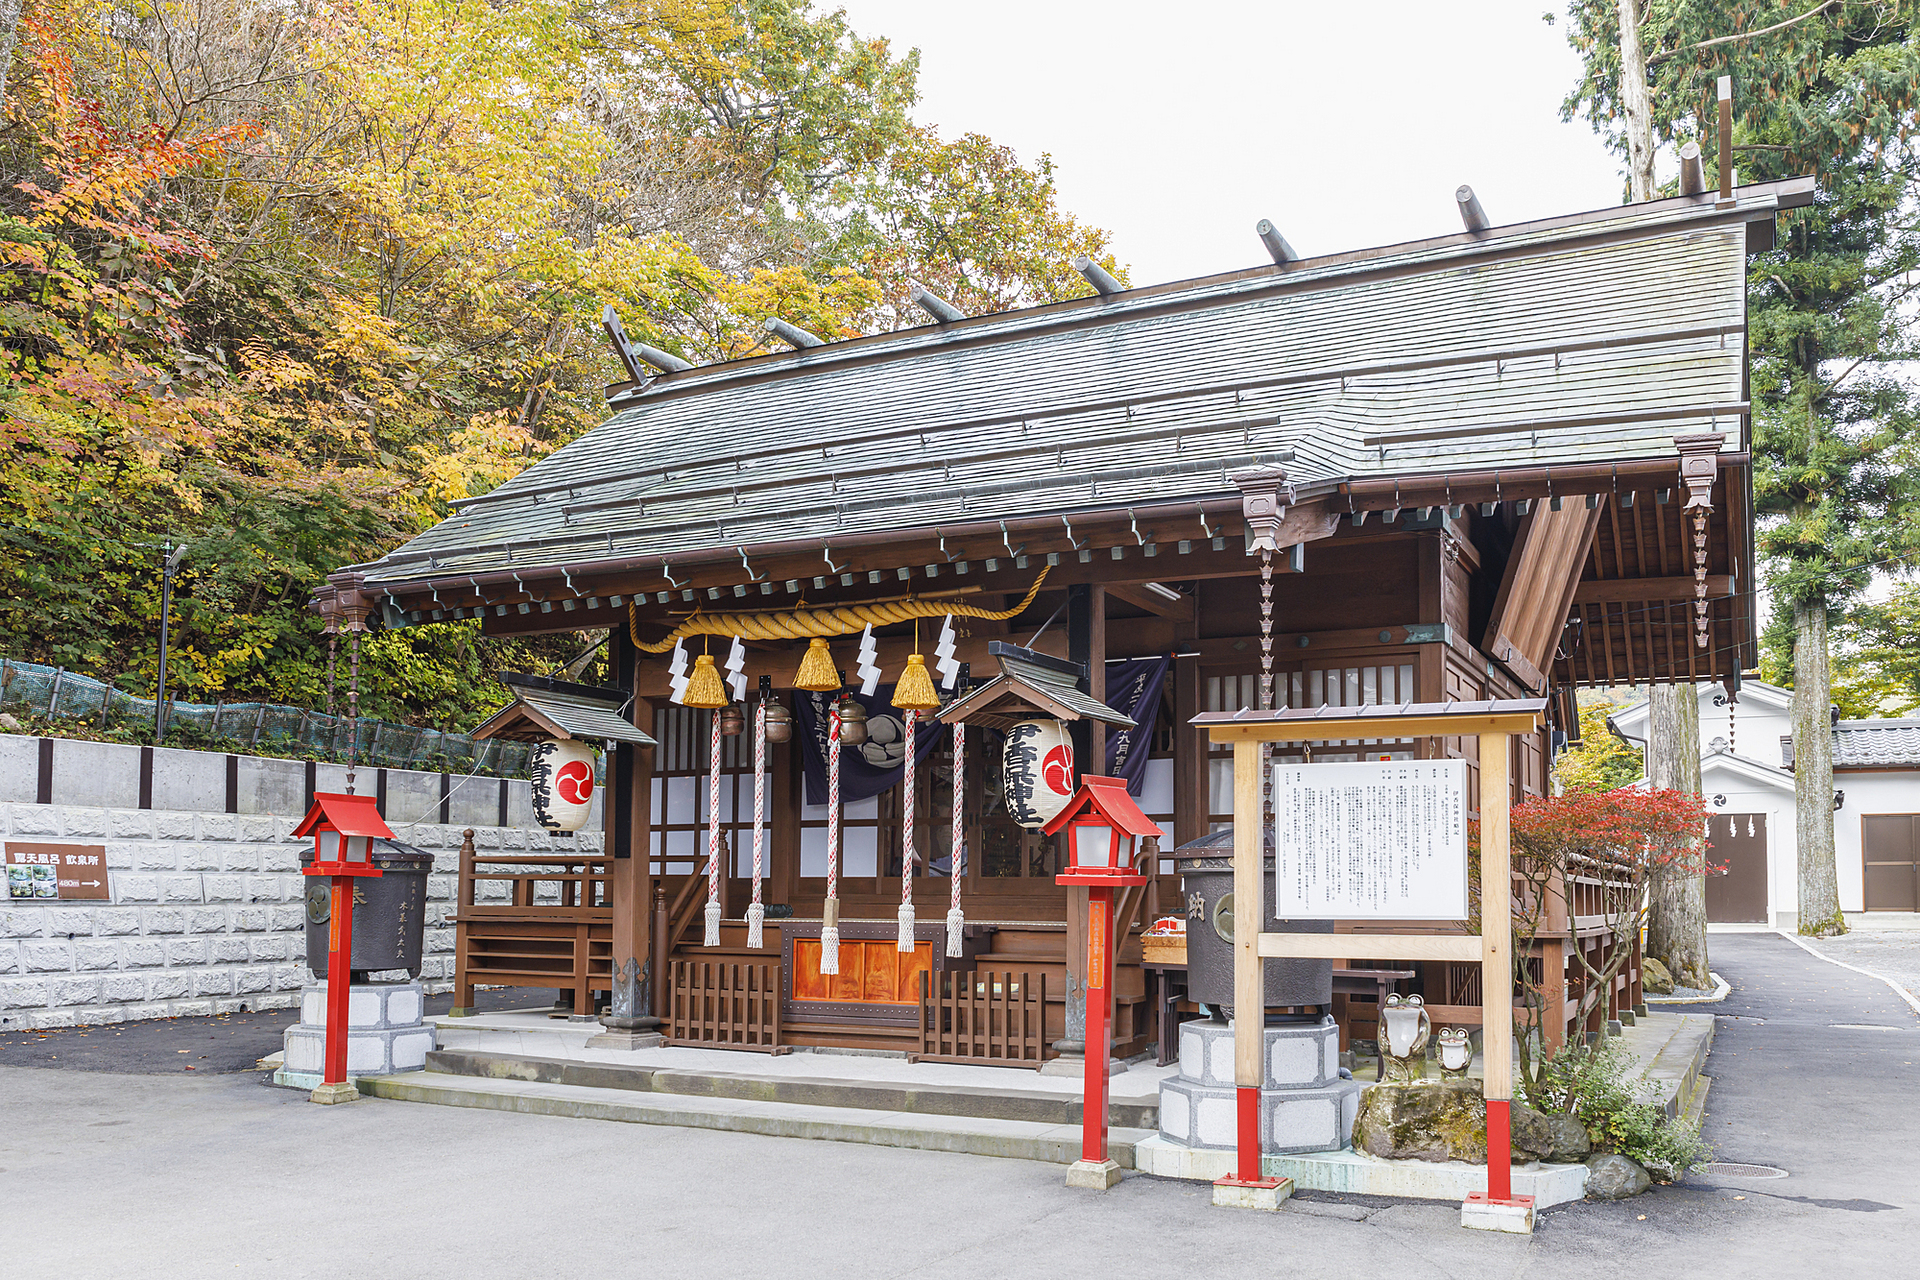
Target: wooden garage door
1738,894
1892,854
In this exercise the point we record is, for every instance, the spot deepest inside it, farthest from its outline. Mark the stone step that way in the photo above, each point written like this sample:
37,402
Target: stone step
970,1135
1035,1106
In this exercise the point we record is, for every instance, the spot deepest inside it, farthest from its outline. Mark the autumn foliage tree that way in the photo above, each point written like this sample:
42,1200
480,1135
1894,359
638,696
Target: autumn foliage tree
284,281
1590,853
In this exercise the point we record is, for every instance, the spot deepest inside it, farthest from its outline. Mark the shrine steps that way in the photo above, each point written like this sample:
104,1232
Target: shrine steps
987,1101
1055,1143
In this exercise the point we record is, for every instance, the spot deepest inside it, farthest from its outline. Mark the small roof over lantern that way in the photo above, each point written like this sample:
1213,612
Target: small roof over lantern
349,815
1030,684
544,708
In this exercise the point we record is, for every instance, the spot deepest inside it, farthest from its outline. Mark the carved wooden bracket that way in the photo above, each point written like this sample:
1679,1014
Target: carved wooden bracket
1699,465
1265,496
343,603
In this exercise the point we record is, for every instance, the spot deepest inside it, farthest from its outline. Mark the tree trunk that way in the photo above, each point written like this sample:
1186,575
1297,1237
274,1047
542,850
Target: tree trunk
1637,101
9,33
1819,888
1677,915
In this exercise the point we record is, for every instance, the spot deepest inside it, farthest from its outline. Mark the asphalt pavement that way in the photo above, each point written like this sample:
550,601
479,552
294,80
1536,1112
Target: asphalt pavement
153,1176
212,1045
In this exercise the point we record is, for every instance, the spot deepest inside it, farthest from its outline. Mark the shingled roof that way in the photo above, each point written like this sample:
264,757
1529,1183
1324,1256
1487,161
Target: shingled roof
1593,338
1868,744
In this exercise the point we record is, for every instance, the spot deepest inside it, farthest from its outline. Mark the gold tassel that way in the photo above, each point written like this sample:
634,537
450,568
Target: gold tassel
915,691
704,689
817,673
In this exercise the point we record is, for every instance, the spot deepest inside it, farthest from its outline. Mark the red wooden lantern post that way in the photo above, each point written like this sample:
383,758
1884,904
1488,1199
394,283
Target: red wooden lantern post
1102,824
343,828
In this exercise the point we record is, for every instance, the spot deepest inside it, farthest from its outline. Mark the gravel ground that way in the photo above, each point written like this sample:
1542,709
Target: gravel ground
1893,955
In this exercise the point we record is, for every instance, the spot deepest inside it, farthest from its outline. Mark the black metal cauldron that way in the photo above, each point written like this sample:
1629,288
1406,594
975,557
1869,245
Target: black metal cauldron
1206,881
389,912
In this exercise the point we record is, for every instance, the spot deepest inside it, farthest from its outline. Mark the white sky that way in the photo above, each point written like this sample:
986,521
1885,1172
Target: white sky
1178,126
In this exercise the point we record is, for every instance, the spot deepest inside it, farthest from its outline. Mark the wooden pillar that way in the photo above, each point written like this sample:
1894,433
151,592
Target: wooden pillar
1496,960
1086,644
785,785
1249,974
1096,674
630,1023
1191,785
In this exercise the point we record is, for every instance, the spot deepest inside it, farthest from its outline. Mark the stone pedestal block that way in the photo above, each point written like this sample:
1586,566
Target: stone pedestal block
1297,1056
385,1033
1305,1105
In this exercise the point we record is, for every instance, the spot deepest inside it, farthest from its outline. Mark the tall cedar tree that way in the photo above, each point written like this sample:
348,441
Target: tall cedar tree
1831,94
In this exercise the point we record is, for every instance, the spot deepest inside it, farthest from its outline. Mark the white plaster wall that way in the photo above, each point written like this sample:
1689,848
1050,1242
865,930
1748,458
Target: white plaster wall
1891,791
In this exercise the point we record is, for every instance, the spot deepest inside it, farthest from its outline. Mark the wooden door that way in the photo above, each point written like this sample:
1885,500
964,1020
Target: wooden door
1738,843
1891,851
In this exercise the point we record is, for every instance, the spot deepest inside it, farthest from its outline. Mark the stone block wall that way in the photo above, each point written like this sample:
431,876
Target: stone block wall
205,909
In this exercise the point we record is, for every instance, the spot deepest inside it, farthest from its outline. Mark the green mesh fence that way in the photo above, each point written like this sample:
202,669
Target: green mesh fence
268,727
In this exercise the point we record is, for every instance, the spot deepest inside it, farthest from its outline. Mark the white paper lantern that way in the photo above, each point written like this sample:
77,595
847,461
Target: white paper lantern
1037,771
563,782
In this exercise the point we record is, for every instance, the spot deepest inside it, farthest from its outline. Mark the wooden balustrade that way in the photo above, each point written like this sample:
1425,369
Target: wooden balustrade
983,1018
726,1004
559,937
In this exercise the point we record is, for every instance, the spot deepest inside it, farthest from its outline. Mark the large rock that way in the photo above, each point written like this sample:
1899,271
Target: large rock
1571,1144
1614,1177
1433,1121
1441,1120
1532,1133
1654,977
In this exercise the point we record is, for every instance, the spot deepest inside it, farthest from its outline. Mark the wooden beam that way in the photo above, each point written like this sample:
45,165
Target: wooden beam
1366,727
1649,590
1371,946
1180,609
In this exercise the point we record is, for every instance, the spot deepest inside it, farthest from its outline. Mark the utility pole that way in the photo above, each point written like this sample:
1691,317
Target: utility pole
166,609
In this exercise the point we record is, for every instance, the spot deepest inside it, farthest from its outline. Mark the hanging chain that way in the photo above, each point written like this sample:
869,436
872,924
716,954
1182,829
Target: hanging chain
1700,578
1266,682
353,705
333,640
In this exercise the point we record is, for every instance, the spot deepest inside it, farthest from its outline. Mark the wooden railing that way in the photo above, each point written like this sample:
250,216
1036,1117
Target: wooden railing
725,1003
552,927
983,1018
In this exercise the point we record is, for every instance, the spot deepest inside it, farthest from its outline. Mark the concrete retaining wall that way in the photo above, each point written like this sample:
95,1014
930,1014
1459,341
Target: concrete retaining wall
204,911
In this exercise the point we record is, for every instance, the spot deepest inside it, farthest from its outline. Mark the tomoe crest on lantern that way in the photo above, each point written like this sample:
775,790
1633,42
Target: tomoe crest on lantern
562,772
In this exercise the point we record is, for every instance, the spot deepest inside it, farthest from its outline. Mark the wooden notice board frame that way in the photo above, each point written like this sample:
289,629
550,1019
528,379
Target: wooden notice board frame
1494,724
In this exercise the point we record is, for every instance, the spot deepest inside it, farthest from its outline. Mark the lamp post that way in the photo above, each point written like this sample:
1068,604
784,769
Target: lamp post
1102,825
343,828
167,569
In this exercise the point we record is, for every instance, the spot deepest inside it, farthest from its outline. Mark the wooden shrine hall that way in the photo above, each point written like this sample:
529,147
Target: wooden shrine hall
1504,463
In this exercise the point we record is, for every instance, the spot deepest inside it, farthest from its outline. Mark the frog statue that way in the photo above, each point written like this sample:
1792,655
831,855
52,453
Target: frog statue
1403,1033
1456,1054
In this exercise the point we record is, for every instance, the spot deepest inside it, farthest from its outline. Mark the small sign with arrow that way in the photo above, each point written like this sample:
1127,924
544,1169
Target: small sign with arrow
58,871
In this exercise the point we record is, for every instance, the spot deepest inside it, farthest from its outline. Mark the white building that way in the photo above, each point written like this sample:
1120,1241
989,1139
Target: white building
1746,774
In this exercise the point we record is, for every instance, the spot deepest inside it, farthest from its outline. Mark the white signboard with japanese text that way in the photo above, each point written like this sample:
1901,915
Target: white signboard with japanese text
1370,841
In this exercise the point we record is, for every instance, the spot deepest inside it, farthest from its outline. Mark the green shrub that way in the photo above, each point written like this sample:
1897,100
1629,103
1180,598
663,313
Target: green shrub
1592,1084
